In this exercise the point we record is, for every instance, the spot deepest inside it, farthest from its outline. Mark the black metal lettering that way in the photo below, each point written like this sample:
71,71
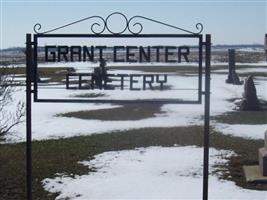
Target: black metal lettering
157,52
80,81
52,53
148,81
128,54
101,48
67,81
122,79
161,82
132,81
84,80
183,51
107,80
62,50
168,53
75,50
88,54
115,59
143,53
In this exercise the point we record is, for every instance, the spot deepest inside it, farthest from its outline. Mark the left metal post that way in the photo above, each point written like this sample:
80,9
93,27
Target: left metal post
28,117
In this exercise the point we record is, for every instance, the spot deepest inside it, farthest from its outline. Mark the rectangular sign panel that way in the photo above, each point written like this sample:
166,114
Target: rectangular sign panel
114,68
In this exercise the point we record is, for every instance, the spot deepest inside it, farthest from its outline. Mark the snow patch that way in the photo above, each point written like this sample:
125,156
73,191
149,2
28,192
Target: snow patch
149,173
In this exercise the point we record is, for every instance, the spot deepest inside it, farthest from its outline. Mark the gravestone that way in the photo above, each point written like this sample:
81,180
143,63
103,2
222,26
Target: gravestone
263,157
249,100
265,45
100,76
232,75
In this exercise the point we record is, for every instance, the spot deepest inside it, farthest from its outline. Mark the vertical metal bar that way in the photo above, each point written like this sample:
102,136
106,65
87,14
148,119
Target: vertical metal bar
207,117
28,118
200,56
67,81
265,45
34,68
80,81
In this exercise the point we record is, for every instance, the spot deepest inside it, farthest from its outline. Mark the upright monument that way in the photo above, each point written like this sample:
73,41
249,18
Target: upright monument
232,75
263,157
265,45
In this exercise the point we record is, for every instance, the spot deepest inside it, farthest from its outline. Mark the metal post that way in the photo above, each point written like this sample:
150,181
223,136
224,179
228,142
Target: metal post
207,118
28,118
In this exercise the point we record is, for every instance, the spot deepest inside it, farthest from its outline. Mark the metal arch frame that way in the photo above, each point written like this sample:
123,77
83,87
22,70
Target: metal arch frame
31,68
105,26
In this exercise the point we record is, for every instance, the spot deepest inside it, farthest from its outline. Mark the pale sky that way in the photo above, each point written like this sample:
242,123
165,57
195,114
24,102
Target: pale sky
229,22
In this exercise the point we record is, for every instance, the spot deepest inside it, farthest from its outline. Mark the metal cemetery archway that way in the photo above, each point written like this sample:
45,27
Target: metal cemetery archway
101,31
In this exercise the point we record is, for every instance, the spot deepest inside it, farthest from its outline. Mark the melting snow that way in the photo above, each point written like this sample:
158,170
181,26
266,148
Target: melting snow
46,125
150,173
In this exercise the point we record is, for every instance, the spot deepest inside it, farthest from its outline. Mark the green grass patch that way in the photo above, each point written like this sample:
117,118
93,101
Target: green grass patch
12,70
242,117
126,112
62,155
56,74
242,74
156,68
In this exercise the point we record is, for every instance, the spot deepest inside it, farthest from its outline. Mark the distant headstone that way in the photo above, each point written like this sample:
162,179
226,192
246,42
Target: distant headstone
249,100
263,157
100,76
235,78
265,45
232,75
96,80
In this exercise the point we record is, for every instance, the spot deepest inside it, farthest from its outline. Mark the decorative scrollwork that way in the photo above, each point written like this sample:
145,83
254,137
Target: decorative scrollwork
133,27
38,26
199,27
123,17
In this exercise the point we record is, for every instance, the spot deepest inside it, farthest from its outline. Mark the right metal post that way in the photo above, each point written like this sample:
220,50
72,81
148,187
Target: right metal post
28,117
207,117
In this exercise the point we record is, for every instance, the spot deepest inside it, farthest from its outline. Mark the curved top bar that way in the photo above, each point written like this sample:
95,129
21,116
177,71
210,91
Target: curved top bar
105,25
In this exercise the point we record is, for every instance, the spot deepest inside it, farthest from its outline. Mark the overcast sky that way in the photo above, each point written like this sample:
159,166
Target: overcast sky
229,22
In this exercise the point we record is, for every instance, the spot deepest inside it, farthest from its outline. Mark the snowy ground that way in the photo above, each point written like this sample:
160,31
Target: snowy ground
150,173
44,114
153,172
